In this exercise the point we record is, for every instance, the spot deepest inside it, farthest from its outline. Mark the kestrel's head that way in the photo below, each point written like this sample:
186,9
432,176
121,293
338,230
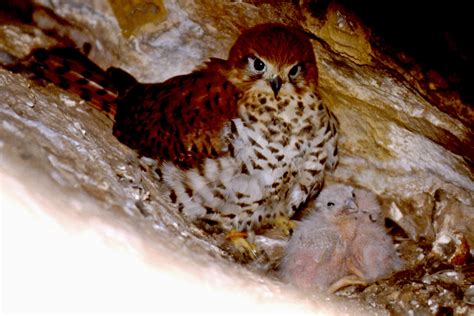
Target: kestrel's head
273,58
337,200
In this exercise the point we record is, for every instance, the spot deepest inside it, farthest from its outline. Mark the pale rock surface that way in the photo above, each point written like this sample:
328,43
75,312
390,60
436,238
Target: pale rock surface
413,154
84,222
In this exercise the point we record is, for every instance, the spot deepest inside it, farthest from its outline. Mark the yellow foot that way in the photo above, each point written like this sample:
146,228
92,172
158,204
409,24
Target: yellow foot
346,281
241,244
285,225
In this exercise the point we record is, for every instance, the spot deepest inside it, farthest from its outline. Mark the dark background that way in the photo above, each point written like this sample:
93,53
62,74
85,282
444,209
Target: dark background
439,35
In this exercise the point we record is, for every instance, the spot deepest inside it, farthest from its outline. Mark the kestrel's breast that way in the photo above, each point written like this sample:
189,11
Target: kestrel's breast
268,149
271,146
273,137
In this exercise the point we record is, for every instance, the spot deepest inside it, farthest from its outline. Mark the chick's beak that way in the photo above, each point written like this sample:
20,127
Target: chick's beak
351,205
275,83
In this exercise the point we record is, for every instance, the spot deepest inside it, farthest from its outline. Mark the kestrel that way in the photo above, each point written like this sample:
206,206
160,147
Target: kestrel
340,243
243,142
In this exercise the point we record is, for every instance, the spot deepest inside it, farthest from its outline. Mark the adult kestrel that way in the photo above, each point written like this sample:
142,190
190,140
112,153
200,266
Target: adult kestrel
242,142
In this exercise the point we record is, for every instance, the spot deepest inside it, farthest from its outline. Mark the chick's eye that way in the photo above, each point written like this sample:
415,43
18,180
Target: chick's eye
294,71
330,204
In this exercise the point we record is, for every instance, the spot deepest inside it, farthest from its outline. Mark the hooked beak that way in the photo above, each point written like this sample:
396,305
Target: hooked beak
350,206
275,83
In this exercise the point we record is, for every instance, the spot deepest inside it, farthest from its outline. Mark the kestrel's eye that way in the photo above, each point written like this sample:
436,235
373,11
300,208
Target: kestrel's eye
257,65
353,195
294,71
330,204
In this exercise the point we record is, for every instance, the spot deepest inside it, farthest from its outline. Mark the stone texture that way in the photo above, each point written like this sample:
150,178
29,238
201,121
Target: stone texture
133,15
16,42
85,223
403,136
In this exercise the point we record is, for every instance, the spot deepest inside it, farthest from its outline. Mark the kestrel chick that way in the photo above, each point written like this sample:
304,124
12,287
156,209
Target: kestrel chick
338,244
242,142
373,255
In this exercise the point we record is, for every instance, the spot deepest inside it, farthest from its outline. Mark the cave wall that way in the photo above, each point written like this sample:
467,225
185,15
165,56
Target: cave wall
402,136
394,140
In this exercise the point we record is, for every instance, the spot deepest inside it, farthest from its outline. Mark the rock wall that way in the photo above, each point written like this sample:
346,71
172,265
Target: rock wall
411,145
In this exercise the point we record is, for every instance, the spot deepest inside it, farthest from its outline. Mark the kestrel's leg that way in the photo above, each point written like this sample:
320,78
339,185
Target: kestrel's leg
280,217
346,281
239,241
284,224
356,278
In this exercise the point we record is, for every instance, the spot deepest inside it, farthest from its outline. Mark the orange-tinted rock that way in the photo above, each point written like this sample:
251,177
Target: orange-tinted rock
133,15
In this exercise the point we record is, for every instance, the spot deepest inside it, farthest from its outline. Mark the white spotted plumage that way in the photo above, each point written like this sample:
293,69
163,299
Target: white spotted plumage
278,152
273,152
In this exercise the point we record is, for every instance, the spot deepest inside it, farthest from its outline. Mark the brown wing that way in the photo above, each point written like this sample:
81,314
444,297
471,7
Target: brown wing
71,70
181,119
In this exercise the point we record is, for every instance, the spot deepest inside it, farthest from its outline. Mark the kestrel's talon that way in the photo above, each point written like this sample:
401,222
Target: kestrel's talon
354,268
346,281
241,244
285,225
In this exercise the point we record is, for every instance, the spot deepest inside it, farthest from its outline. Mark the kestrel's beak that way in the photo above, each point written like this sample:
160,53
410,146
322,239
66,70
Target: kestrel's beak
275,82
350,206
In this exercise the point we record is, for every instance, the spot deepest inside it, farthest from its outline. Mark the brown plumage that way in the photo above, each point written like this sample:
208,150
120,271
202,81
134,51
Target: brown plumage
181,119
243,142
71,70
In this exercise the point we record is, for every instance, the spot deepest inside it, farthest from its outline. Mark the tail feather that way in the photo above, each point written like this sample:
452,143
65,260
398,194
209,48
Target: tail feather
121,80
72,71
